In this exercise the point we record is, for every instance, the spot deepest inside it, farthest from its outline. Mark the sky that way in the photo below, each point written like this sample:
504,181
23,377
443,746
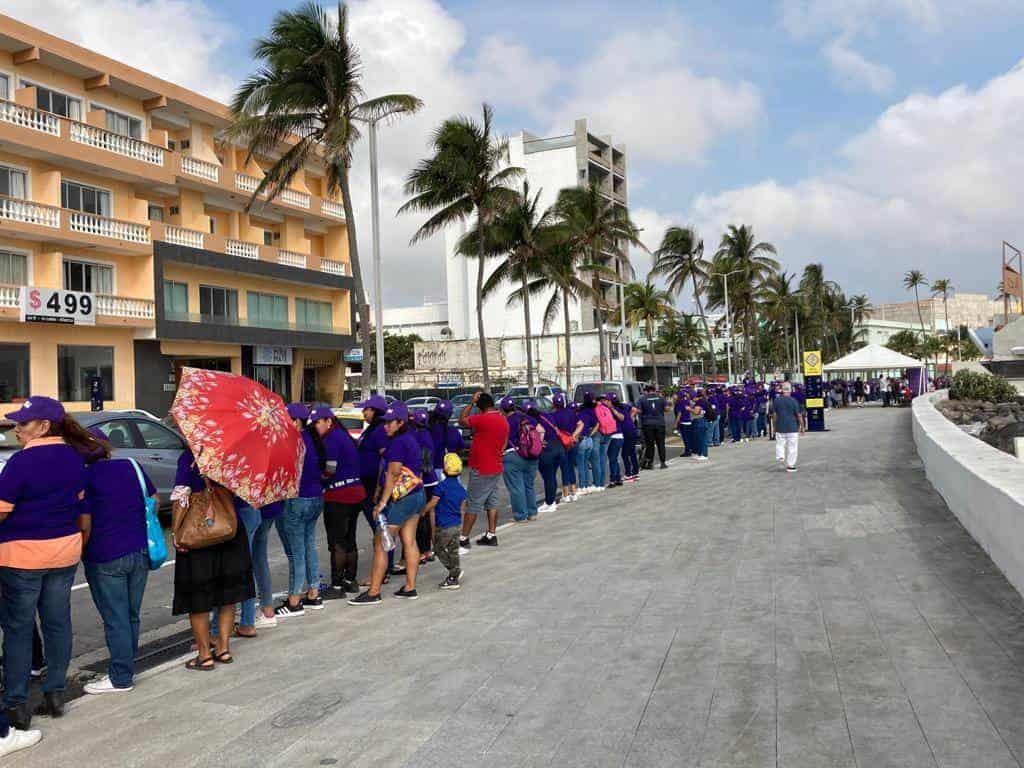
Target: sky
873,136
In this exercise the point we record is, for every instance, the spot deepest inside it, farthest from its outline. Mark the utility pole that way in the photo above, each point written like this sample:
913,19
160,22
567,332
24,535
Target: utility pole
378,300
728,318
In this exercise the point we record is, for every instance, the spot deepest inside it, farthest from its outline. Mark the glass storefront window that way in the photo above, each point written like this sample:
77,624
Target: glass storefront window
76,365
276,378
13,372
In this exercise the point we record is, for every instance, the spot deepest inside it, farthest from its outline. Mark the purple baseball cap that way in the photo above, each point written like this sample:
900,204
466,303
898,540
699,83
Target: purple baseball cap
507,403
558,399
443,408
613,396
420,418
528,404
37,407
397,411
377,402
321,412
298,411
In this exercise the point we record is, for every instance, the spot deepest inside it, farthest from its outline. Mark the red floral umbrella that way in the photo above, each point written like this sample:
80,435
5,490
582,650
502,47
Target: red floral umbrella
241,435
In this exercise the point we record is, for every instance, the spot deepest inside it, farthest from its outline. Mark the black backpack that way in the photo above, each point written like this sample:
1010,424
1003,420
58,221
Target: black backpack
710,412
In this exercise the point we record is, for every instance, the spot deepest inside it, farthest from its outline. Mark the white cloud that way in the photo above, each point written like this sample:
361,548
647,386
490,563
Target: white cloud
179,40
929,185
853,71
812,18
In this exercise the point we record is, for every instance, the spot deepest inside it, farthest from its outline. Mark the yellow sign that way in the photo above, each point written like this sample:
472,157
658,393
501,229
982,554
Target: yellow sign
812,363
815,402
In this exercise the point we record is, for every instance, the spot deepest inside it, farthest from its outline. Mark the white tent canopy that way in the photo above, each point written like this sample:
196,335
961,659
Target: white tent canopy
873,357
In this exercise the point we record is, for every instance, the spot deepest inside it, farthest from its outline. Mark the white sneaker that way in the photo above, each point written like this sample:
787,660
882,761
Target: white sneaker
702,458
463,551
262,622
17,740
104,685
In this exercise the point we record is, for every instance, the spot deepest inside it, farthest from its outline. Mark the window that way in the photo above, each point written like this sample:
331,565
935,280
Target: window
268,237
57,103
88,277
313,315
13,372
158,438
80,197
175,299
276,378
76,365
13,271
122,124
267,310
156,213
5,87
13,182
218,304
119,433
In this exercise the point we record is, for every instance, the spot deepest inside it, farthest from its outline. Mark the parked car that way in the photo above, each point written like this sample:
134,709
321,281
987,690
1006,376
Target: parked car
460,401
541,390
351,419
134,434
629,391
415,404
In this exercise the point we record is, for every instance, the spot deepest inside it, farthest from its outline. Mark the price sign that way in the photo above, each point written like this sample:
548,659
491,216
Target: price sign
49,305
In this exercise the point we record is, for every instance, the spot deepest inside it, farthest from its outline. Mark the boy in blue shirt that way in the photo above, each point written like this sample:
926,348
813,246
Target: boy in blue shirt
445,509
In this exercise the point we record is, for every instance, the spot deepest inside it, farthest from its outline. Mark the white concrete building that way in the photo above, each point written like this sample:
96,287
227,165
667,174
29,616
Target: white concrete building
872,331
429,322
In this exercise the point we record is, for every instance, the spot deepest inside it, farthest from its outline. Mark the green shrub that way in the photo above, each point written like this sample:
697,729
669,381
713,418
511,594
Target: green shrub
968,385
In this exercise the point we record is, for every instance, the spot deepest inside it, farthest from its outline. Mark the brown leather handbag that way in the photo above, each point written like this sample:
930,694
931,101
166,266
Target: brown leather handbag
208,520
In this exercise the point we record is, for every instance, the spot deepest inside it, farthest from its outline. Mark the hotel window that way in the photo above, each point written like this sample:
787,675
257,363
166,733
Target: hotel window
77,365
156,213
81,197
13,271
5,87
175,299
218,304
88,277
268,237
13,183
57,103
313,315
267,310
13,372
122,124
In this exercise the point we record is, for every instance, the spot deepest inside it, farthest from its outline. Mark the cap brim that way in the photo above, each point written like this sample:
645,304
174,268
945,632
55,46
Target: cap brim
20,416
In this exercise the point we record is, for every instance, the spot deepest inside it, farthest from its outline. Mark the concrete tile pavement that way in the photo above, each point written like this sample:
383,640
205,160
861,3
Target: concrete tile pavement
718,615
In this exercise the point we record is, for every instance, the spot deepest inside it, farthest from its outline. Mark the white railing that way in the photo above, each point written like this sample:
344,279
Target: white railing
193,166
333,267
242,249
294,197
331,208
13,209
119,306
101,226
245,182
181,236
10,296
27,117
116,143
291,259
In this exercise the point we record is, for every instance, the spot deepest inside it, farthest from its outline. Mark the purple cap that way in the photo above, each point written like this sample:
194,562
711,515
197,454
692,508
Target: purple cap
558,399
443,408
420,418
298,411
613,396
588,397
507,403
528,404
321,412
377,402
37,408
397,411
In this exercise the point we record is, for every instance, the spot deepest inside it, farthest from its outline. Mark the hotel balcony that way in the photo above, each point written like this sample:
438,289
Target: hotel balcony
110,310
29,220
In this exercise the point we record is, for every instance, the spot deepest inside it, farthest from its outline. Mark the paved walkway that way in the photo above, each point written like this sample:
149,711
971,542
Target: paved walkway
718,615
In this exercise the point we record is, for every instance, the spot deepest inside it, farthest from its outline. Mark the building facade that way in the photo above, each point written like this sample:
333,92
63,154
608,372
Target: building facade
117,186
974,310
429,322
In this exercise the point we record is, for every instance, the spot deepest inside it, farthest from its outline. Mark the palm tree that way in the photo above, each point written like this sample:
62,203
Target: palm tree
646,304
860,308
780,301
740,249
905,342
524,234
309,91
467,175
596,229
680,258
816,290
943,287
680,334
915,279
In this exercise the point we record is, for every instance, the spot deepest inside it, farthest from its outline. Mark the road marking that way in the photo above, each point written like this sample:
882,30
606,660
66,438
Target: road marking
85,584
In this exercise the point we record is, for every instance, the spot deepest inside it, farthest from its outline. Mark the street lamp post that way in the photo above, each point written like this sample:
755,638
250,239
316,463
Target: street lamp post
728,318
378,302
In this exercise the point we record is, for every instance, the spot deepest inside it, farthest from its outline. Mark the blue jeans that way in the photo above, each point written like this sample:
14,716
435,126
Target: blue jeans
614,448
700,436
750,427
261,566
568,468
629,459
735,427
686,432
117,587
23,591
297,529
251,519
599,459
550,460
716,430
584,470
519,474
762,424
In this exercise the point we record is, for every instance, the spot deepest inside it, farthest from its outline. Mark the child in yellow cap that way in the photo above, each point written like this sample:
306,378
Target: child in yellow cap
446,508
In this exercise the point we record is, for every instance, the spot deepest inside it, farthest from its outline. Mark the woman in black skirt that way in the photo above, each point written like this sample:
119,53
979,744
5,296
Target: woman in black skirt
208,578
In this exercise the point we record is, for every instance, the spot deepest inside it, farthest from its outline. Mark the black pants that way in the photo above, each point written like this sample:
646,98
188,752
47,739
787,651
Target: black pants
340,523
654,435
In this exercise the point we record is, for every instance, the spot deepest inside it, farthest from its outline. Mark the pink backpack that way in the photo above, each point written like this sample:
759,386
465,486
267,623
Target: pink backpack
605,420
531,444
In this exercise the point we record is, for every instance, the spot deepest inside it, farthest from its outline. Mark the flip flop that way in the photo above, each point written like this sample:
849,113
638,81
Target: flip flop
224,657
200,665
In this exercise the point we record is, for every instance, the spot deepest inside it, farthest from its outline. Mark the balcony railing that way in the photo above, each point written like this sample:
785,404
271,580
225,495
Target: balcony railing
27,212
245,182
242,249
120,306
100,138
240,322
331,208
291,259
102,226
296,198
333,267
181,236
27,117
10,296
193,166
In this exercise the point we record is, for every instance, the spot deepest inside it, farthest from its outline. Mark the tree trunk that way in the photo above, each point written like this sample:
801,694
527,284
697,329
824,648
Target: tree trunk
485,371
568,344
920,315
748,314
707,331
360,292
528,336
945,309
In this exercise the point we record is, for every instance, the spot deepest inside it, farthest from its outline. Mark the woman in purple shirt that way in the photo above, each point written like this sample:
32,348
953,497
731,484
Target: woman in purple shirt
585,446
565,418
116,558
518,472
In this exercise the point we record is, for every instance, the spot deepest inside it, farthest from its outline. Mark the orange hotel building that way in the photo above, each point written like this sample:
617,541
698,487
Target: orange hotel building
117,184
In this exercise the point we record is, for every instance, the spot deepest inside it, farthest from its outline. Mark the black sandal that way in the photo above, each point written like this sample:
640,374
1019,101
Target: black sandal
224,657
200,665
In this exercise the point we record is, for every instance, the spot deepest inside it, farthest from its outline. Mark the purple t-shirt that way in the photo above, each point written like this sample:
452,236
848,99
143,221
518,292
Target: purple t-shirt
341,448
682,409
114,498
371,443
311,480
514,420
426,444
447,439
402,448
627,426
565,419
43,484
589,419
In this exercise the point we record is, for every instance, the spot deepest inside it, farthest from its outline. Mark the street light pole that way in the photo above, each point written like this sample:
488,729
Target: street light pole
378,301
728,319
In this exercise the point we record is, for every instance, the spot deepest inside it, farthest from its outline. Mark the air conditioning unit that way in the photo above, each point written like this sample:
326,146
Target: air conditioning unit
174,210
186,144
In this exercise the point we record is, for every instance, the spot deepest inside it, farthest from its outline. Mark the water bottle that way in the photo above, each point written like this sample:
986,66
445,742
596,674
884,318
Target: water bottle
385,535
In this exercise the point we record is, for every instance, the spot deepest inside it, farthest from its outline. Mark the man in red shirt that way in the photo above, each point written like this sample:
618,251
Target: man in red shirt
490,438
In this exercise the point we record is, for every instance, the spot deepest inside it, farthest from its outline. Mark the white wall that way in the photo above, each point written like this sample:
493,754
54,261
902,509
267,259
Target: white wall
983,486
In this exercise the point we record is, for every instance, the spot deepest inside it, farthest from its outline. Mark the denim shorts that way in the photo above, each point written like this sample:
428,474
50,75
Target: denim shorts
397,512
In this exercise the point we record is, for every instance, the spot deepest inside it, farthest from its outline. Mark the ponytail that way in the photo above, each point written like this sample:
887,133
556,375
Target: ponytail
318,445
79,438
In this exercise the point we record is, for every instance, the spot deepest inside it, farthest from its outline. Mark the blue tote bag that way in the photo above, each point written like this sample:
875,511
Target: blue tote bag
154,532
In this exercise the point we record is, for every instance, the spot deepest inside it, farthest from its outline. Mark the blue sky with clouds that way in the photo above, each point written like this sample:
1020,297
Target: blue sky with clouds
874,136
